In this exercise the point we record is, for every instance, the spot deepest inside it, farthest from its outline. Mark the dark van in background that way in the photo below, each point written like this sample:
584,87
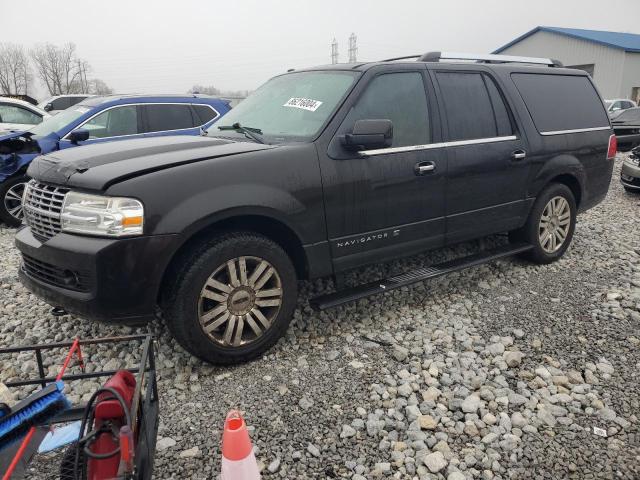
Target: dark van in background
319,171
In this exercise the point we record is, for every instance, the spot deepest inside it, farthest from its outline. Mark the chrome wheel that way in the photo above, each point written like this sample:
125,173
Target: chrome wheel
555,223
239,301
13,200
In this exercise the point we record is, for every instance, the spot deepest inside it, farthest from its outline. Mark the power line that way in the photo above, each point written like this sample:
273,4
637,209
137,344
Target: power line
334,51
353,49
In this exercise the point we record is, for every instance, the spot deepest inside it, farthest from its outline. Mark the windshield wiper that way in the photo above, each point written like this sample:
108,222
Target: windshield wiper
248,131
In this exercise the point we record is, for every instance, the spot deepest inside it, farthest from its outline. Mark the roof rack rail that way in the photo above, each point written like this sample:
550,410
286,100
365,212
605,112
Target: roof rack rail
487,57
407,57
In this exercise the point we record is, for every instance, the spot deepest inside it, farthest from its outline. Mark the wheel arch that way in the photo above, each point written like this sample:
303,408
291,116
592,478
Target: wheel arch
572,182
260,222
564,169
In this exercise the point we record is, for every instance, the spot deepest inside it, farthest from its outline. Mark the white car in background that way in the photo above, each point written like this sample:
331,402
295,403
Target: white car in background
58,103
19,115
616,105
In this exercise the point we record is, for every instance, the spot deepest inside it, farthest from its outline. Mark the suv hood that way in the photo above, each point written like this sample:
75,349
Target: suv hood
98,166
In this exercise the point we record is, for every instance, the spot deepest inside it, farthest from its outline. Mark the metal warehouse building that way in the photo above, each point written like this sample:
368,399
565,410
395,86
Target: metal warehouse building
611,58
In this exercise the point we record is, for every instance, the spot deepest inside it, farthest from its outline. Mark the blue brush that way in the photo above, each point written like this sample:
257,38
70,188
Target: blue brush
37,408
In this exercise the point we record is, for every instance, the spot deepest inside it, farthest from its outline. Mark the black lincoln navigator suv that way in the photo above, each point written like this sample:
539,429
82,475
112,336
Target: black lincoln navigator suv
319,171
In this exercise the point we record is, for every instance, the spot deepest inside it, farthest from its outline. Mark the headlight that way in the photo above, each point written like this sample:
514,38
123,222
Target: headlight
100,215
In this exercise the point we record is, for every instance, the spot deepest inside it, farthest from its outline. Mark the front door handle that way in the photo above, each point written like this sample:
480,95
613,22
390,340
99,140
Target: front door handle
519,155
423,168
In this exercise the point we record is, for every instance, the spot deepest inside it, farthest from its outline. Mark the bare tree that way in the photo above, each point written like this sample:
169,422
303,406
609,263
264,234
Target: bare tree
15,75
210,90
98,87
59,69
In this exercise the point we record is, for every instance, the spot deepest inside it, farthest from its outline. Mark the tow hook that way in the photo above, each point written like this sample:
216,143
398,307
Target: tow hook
58,311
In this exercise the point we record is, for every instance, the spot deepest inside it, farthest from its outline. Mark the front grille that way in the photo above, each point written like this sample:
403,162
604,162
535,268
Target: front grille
79,281
42,207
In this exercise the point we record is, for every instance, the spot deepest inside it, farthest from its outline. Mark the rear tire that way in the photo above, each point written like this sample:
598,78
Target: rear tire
11,200
233,297
550,226
631,190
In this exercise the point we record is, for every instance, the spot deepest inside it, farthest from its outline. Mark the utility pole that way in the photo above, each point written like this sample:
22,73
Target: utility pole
353,49
334,52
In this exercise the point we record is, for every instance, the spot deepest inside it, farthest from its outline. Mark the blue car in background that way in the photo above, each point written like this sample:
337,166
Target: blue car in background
94,120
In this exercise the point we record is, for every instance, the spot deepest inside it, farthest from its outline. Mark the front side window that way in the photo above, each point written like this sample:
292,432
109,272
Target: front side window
474,107
14,114
292,107
60,103
161,118
115,122
399,97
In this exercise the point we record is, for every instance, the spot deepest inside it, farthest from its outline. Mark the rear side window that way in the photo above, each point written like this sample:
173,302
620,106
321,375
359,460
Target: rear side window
169,117
474,106
561,102
204,113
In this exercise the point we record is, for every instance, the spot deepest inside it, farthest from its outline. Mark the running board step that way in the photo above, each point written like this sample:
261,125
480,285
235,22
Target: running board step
421,274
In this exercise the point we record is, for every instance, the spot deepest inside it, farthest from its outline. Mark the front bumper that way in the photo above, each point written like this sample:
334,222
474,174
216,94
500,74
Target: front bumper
630,175
112,280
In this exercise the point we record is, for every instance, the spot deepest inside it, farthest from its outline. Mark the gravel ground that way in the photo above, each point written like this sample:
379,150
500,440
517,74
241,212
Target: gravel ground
502,371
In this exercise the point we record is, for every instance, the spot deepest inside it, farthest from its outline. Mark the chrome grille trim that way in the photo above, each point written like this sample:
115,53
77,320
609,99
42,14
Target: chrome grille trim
42,208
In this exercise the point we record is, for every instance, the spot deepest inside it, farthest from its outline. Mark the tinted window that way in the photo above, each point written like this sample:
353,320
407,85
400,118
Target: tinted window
204,114
169,117
115,122
74,100
13,114
474,106
60,104
401,98
561,102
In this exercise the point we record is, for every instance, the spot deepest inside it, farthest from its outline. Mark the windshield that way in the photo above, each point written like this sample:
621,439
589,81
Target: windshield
59,121
290,107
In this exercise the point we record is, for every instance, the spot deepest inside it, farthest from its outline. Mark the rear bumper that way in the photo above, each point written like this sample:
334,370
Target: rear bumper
630,175
111,280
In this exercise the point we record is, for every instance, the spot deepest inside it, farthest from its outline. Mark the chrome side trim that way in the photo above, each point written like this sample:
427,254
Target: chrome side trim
575,130
431,146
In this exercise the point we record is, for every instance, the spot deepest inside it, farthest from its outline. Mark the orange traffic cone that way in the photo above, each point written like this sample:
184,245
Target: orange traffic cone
238,460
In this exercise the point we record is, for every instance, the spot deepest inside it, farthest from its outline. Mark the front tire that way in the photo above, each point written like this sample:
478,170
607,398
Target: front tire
11,191
550,226
232,299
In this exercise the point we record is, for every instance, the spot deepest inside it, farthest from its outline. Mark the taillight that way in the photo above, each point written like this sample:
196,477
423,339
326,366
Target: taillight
613,147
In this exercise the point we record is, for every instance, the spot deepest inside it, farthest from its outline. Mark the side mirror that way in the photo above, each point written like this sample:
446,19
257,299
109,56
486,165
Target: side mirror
79,135
369,134
48,107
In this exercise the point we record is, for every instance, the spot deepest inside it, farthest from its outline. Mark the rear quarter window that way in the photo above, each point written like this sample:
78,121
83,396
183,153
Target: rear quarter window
561,102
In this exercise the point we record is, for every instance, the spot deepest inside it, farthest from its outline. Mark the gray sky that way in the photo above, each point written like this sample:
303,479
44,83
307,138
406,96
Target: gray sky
168,46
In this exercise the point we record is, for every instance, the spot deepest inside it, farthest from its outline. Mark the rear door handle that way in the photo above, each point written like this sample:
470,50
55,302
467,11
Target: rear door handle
518,155
423,168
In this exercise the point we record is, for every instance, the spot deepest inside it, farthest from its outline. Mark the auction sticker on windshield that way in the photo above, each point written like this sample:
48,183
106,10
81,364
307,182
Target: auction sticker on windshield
303,103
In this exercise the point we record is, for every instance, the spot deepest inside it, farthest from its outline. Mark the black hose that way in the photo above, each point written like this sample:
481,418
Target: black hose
88,418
